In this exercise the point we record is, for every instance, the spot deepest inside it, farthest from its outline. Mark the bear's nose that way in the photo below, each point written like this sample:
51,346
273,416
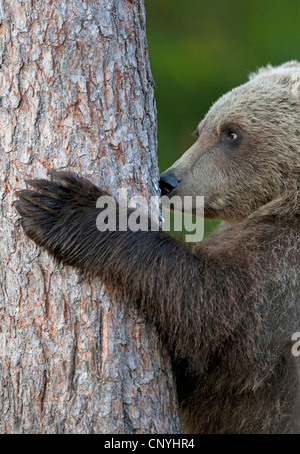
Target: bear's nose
167,183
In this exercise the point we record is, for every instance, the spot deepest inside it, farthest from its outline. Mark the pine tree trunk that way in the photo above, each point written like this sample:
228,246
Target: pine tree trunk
77,94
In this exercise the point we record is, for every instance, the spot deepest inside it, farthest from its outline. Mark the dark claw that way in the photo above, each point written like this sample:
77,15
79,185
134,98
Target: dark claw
46,209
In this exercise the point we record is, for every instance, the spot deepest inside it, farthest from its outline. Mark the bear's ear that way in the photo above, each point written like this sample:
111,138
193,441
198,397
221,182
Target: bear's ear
290,64
265,70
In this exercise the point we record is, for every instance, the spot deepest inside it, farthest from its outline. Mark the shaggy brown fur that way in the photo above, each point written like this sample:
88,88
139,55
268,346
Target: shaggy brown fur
227,309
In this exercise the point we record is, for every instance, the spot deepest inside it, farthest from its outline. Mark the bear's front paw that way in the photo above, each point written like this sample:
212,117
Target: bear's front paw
53,213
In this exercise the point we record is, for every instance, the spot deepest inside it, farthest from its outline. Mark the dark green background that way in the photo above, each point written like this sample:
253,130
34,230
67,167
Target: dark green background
199,49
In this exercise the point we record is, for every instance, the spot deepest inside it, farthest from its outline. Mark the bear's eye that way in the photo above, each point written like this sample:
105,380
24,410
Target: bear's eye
232,135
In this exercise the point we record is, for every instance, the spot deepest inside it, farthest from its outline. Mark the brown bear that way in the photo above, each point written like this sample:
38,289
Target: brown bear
228,310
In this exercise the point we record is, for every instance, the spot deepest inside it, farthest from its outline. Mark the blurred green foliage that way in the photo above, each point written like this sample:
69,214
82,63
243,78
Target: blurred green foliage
199,49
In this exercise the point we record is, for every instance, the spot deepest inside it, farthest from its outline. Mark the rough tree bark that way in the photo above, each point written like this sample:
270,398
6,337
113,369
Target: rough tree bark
76,93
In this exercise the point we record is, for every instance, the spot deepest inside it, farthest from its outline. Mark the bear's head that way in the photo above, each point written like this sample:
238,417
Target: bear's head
248,148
